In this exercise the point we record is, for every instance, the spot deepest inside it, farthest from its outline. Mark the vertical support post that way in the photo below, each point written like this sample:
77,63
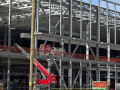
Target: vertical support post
115,25
9,44
36,22
60,82
108,50
87,51
4,76
71,10
48,60
90,21
81,19
80,78
70,26
108,37
98,72
49,16
98,30
87,77
5,36
108,75
70,75
115,76
36,30
61,17
62,74
90,74
31,47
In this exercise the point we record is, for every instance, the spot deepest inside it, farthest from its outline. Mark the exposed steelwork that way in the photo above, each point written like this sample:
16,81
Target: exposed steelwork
67,21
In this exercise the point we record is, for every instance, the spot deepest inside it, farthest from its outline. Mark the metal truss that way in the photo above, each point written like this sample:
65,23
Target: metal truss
57,12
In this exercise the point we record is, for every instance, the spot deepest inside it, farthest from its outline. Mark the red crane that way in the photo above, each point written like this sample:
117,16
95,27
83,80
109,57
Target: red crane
49,78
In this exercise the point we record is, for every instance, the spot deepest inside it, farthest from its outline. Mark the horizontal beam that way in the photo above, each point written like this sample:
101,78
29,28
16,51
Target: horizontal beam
76,39
66,59
42,37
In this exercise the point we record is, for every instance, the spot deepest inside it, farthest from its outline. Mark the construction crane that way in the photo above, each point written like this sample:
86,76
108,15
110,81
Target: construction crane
47,77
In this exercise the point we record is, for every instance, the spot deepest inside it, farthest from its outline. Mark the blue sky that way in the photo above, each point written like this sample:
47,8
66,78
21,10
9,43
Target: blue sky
103,3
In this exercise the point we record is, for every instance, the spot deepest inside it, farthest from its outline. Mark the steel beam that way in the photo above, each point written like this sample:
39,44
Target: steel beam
64,84
44,44
76,48
59,20
9,44
75,78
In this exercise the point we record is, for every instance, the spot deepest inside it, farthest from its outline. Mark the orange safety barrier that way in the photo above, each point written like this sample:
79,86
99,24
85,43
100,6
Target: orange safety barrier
47,51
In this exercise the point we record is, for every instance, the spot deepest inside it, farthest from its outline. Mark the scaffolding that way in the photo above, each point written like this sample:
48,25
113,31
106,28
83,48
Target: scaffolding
69,21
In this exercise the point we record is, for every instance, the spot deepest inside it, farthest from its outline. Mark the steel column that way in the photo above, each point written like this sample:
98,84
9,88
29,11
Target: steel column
64,84
90,21
98,30
80,77
87,51
62,17
115,25
62,45
75,78
38,1
108,75
70,74
70,26
49,16
49,67
87,77
60,80
90,74
9,44
87,38
98,72
81,19
91,50
61,1
5,36
4,76
115,76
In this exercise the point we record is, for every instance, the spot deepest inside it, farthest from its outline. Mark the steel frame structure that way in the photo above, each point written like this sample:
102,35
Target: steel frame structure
71,10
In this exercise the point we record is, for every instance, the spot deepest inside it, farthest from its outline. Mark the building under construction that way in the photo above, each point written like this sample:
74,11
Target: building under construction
81,37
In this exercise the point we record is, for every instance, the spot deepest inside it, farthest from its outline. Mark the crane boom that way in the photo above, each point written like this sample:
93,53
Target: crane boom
39,67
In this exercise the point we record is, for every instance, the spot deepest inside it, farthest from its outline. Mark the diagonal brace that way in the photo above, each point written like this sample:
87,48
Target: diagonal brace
92,51
76,48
